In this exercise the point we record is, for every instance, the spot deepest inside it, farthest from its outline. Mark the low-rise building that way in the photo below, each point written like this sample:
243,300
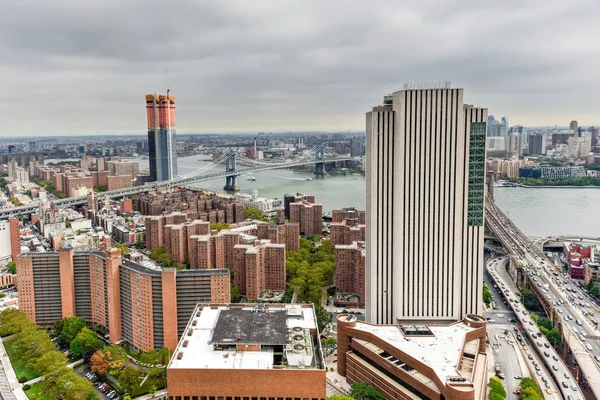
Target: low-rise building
415,361
263,352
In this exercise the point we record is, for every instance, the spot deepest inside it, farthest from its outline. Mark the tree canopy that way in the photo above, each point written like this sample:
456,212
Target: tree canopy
68,328
310,269
487,295
365,391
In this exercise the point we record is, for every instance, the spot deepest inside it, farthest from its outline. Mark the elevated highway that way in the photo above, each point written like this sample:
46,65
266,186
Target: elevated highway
539,273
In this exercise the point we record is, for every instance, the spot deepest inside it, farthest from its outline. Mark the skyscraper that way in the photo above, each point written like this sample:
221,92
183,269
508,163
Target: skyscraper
425,206
161,136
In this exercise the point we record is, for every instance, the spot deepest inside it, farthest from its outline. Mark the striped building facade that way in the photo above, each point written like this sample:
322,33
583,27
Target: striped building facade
425,182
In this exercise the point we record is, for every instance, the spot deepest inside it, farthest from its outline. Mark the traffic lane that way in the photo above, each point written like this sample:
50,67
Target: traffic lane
532,333
505,356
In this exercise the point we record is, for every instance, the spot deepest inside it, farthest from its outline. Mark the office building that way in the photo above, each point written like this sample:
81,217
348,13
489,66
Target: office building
249,352
580,146
415,361
425,207
350,274
561,137
162,150
521,132
537,144
347,226
574,126
146,306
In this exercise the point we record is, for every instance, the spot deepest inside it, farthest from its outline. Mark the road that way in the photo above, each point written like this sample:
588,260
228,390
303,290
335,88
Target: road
548,357
543,273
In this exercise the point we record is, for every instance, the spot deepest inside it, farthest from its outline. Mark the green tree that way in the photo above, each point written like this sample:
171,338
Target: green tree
12,267
13,321
365,391
129,379
85,344
49,361
124,249
15,201
323,317
339,397
487,295
530,389
100,188
235,293
253,213
496,387
68,328
545,322
495,396
530,301
553,336
595,290
218,226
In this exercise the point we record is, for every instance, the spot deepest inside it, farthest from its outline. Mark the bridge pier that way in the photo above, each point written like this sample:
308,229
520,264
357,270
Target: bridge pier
320,155
231,180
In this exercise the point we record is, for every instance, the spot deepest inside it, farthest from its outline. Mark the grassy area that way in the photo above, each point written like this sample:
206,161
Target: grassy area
145,388
18,363
36,392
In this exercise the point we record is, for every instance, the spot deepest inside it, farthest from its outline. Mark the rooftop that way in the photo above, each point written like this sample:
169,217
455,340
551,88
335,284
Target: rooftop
282,336
441,350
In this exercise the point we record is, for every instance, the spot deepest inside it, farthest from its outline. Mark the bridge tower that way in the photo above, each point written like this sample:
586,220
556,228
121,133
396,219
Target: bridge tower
230,167
320,155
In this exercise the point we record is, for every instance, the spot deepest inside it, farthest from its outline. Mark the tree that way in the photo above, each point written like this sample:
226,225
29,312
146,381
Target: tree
495,396
13,321
85,344
129,379
339,397
553,336
68,328
595,290
323,317
253,213
49,361
100,362
530,301
12,267
124,249
545,322
496,387
530,389
487,295
100,188
235,293
219,226
365,391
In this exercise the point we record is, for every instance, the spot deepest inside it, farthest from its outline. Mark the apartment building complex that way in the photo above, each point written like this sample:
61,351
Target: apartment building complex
263,352
415,361
350,274
347,226
147,307
309,217
259,266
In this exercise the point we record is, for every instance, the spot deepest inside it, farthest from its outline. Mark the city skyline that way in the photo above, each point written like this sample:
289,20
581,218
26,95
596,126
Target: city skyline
287,67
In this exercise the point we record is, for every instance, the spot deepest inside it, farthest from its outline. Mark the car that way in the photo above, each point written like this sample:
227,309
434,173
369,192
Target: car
565,385
544,379
554,367
518,377
500,375
517,392
491,320
530,357
555,358
574,387
578,322
547,354
539,344
538,373
546,345
548,391
547,384
567,376
530,322
582,338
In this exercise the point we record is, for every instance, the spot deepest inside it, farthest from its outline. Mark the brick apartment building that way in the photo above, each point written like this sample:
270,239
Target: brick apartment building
308,215
350,274
146,307
249,352
114,182
286,233
415,361
197,204
347,226
294,198
258,267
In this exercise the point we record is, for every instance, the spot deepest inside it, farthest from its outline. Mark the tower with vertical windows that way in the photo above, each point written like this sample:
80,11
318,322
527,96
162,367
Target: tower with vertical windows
161,137
425,153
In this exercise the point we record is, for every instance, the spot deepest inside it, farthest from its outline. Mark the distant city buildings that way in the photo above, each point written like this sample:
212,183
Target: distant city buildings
161,137
537,144
425,207
249,351
144,305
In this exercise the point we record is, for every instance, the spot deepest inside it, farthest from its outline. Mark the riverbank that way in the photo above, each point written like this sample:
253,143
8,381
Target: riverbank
555,187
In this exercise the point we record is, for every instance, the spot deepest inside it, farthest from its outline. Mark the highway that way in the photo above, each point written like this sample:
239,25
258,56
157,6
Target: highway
548,358
557,293
6,213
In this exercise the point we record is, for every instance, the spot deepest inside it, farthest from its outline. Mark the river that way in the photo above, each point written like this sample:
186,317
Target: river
536,211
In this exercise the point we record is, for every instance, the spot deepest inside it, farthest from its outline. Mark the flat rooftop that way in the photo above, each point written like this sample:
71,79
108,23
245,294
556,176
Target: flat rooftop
248,337
441,350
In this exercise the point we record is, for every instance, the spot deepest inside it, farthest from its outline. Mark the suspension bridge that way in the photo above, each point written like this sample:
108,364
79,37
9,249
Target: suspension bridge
316,156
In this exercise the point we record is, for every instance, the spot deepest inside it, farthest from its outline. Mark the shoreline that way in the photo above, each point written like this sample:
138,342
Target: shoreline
549,187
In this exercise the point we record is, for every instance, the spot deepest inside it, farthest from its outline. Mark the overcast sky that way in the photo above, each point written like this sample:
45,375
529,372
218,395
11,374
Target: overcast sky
83,67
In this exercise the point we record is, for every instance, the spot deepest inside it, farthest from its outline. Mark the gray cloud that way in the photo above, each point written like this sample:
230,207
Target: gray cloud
79,67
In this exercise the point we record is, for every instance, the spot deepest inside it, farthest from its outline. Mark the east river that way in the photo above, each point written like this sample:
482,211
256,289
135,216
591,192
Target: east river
536,211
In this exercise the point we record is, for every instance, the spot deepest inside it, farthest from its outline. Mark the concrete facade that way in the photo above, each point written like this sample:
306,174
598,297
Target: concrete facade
425,188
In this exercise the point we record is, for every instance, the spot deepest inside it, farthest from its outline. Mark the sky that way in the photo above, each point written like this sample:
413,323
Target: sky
73,67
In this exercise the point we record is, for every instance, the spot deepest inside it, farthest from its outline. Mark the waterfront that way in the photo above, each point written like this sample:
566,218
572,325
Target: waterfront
549,211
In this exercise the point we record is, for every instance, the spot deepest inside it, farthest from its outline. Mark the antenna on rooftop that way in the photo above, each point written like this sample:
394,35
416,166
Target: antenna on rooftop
167,79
